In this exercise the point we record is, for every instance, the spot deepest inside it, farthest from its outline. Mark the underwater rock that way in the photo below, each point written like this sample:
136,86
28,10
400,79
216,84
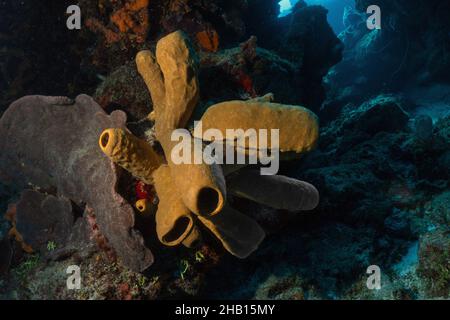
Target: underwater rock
118,29
218,18
50,144
338,254
374,178
42,219
384,113
129,18
398,223
362,157
398,56
246,71
289,287
124,89
432,156
370,170
6,252
307,41
423,126
434,263
133,18
437,212
310,41
291,66
208,40
442,134
113,32
121,28
444,165
50,226
261,18
10,216
342,182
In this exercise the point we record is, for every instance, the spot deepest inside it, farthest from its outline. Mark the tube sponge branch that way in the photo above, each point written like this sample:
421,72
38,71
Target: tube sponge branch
285,193
174,221
179,66
202,186
171,78
131,153
260,114
149,70
145,207
239,234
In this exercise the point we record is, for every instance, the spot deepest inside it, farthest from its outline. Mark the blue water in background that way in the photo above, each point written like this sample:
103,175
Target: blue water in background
335,10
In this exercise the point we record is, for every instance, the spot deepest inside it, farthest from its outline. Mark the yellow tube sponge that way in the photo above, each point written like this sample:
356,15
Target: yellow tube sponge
150,71
239,234
276,191
131,153
194,238
174,221
202,187
173,85
178,64
254,114
145,207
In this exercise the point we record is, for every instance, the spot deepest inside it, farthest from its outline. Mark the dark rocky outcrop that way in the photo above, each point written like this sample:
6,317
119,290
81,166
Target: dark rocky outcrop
410,50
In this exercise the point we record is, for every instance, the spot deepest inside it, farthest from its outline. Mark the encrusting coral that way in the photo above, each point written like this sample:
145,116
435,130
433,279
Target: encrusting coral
208,40
125,21
131,20
189,193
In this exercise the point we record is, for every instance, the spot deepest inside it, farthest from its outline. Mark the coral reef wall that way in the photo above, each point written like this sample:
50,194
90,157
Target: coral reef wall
58,61
39,54
381,165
